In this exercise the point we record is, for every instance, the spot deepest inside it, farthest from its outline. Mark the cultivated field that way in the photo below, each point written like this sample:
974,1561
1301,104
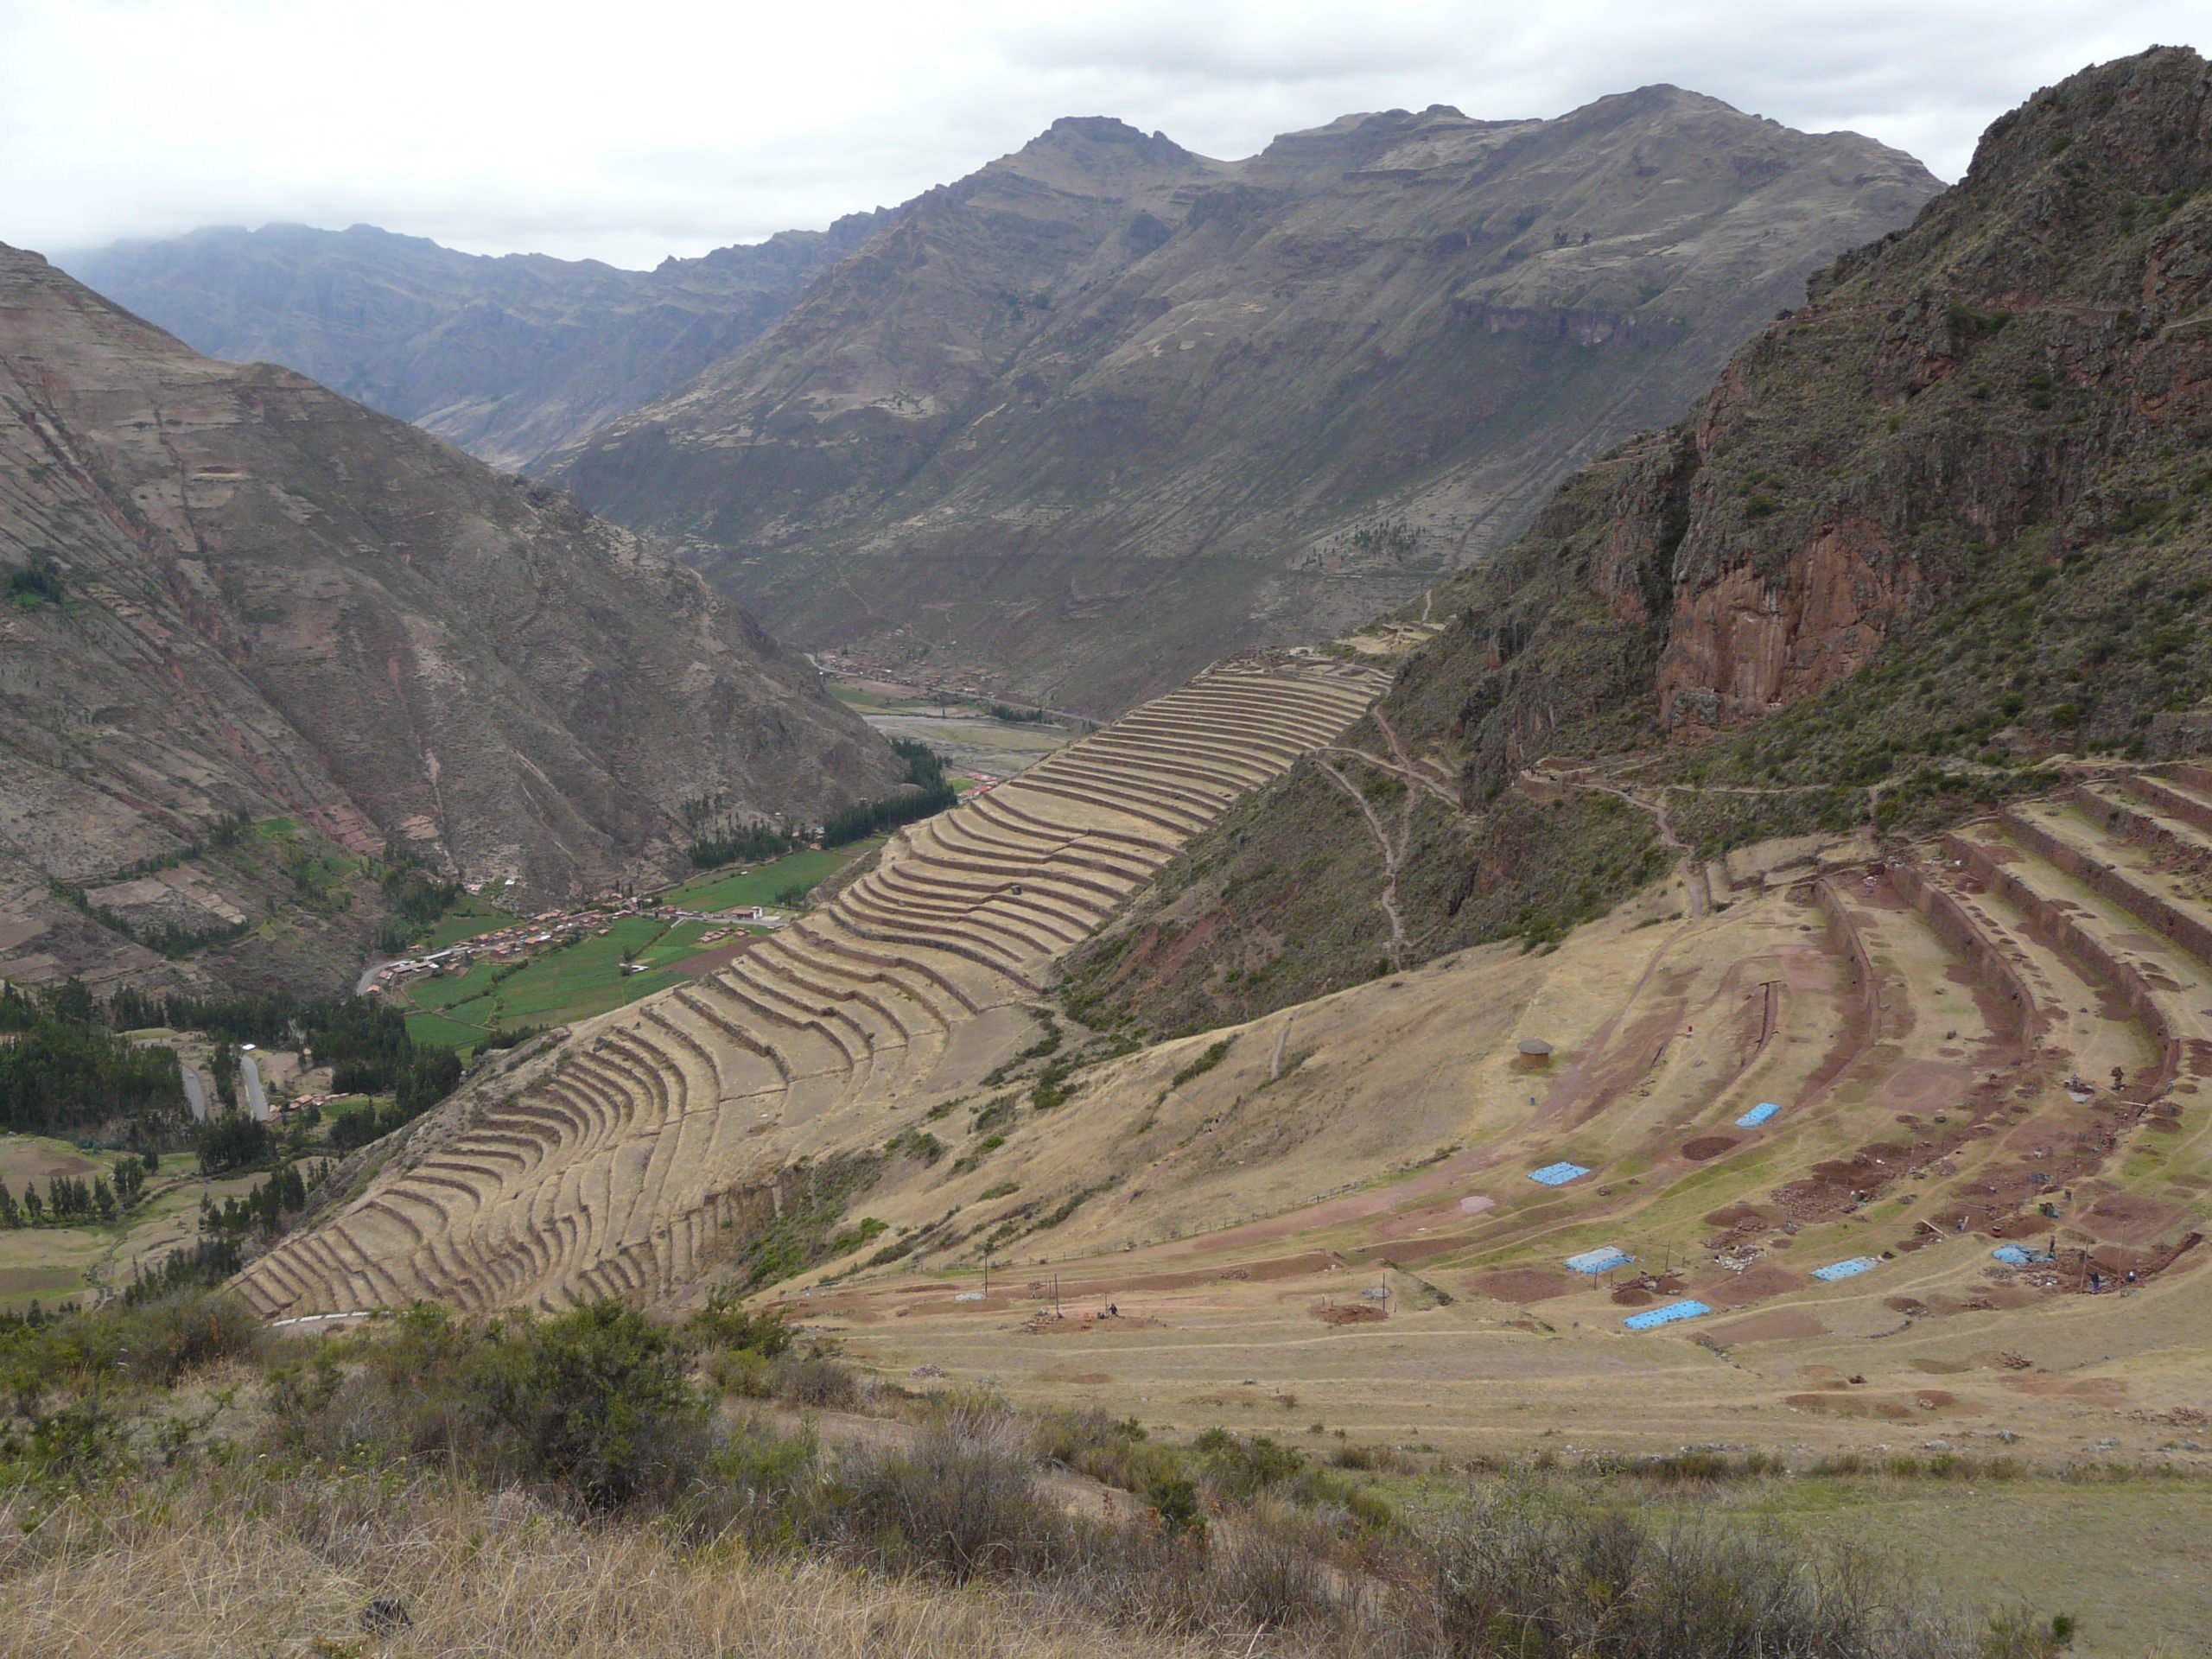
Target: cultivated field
52,1265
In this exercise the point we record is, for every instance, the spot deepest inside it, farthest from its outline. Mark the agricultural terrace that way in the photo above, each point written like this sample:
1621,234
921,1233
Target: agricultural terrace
1900,1154
670,1121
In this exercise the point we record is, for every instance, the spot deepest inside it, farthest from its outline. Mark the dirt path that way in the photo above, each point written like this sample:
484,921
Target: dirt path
1694,871
1393,856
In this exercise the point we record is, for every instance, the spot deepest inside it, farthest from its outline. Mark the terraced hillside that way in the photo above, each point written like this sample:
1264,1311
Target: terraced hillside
1909,1143
615,1164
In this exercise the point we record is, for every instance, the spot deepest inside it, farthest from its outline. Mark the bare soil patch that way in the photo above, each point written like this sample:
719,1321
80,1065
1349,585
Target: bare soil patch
1778,1325
1521,1284
1754,1284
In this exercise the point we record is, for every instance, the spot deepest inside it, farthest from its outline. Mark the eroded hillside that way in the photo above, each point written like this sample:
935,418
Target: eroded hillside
1106,407
235,599
1951,518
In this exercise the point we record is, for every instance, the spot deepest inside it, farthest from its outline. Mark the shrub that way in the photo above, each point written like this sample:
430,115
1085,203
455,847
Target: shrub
594,1403
161,1341
1213,1056
817,1382
1506,1573
1113,1451
725,1322
598,1399
965,1501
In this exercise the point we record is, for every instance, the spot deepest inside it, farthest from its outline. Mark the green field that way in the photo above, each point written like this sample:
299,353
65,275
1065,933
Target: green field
435,1031
568,982
729,889
854,696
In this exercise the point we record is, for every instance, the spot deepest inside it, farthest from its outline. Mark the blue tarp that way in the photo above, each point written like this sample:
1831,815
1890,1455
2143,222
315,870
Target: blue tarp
1602,1261
1849,1269
1558,1174
2019,1257
1757,1114
1672,1314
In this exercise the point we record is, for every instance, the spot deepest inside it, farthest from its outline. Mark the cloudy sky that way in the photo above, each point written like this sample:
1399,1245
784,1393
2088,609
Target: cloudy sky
629,131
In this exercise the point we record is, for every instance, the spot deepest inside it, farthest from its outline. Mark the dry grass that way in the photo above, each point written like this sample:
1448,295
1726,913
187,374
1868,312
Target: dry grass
252,1567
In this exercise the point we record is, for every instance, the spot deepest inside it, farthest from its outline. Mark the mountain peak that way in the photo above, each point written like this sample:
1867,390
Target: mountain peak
1080,152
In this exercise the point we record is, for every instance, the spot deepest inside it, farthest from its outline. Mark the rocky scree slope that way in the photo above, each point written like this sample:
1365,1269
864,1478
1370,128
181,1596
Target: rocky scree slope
231,594
513,359
1949,519
1106,408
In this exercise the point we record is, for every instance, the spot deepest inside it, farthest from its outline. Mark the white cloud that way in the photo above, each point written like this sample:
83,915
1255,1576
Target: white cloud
626,133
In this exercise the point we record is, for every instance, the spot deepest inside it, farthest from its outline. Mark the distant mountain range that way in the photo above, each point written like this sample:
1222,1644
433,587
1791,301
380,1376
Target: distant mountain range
1105,409
254,637
510,358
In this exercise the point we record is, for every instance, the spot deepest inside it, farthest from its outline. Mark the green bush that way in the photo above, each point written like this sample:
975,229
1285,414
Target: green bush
725,1322
594,1403
1214,1055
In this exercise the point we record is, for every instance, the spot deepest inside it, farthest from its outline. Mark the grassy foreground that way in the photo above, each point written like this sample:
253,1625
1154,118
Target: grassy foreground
174,1480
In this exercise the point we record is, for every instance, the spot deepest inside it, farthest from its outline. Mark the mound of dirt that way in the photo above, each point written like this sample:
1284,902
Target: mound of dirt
1707,1145
1349,1314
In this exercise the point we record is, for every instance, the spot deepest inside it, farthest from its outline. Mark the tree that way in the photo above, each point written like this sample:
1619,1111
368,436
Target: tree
234,1142
226,1066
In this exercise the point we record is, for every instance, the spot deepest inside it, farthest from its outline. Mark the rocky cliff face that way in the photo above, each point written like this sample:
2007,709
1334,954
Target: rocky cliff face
2007,404
1948,518
1106,407
234,596
513,359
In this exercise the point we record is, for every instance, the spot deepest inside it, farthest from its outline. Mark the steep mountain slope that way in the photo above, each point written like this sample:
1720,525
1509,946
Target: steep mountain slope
508,357
1106,407
1949,519
234,596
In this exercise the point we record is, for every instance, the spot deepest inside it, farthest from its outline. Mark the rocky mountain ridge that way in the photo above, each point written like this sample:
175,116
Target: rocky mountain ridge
1945,523
234,599
1106,407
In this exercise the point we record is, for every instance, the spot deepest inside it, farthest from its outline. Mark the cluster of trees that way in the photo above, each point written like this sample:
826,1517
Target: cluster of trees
170,939
364,1041
226,832
65,1073
69,1199
232,1141
37,582
925,774
720,835
417,898
265,1205
729,842
208,1262
428,1080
